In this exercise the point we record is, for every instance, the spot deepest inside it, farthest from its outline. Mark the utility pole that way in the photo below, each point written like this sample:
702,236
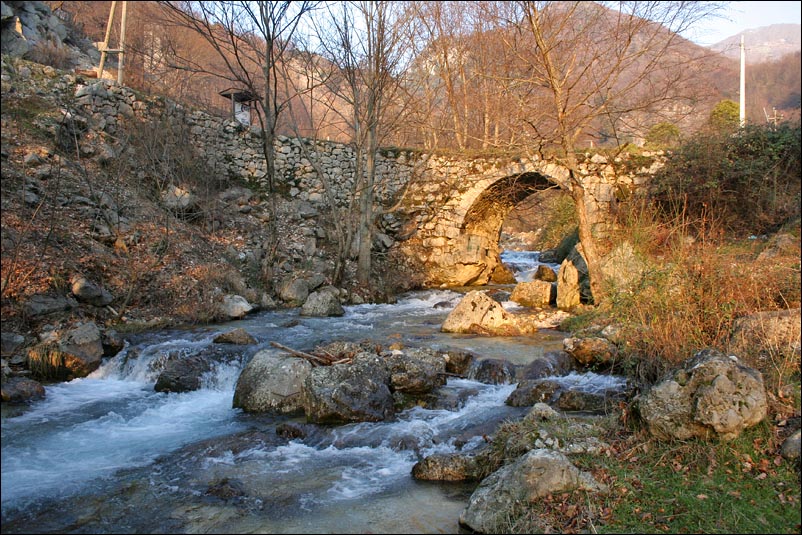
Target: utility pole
742,115
105,46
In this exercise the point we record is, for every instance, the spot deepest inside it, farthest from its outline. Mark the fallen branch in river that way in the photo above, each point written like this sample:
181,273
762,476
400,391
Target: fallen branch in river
314,359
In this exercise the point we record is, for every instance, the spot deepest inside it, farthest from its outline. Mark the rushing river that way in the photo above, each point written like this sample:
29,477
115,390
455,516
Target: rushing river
108,454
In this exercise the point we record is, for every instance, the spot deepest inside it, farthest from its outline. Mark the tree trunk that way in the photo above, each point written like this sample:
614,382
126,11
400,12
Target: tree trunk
366,211
586,238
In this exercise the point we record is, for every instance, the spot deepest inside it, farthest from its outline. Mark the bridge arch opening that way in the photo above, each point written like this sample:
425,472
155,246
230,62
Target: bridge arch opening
539,222
483,222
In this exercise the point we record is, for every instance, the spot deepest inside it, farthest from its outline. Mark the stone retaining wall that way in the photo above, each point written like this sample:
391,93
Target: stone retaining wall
435,194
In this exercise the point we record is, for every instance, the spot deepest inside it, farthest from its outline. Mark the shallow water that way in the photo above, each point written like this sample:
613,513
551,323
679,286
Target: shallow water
108,454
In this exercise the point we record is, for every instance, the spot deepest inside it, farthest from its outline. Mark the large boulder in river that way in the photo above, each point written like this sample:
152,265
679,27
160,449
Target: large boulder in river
450,467
21,389
531,392
235,306
568,293
477,313
344,393
551,363
459,362
711,395
534,475
545,273
182,373
492,371
239,337
187,370
416,371
322,303
271,382
537,293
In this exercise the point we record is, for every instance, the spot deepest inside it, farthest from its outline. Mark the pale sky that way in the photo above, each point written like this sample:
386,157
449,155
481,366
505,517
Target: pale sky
742,16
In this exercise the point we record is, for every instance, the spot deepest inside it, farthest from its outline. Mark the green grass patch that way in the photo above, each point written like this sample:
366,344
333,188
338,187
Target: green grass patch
741,486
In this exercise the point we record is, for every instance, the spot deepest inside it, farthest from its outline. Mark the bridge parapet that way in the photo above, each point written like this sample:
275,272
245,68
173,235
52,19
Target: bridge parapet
451,209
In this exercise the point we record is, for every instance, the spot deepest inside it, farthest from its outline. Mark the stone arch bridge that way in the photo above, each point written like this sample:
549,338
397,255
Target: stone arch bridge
447,211
457,225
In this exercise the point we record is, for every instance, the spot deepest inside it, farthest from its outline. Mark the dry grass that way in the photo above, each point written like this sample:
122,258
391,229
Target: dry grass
692,292
47,52
46,362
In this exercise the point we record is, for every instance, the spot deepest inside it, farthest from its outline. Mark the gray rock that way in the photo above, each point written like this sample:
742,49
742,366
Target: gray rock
182,373
293,291
324,302
236,195
266,302
529,393
478,313
599,402
550,256
541,412
235,306
449,467
112,342
459,362
88,292
416,371
791,446
32,159
781,244
545,273
591,350
236,337
492,371
10,343
532,294
553,363
39,305
711,395
534,475
355,392
271,382
21,389
68,354
568,294
621,268
777,331
178,199
315,281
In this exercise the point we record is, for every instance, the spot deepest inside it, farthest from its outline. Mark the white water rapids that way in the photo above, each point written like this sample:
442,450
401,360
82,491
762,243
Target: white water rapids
108,454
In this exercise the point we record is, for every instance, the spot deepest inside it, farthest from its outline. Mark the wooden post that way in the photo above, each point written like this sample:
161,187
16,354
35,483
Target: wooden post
106,41
122,45
121,50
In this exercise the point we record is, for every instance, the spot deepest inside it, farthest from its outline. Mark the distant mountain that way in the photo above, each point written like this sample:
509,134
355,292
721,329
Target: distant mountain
767,43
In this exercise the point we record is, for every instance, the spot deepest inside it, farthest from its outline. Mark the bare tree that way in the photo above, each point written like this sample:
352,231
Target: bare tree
252,40
367,44
586,64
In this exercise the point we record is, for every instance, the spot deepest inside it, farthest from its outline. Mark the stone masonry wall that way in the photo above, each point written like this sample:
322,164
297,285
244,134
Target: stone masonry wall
434,193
